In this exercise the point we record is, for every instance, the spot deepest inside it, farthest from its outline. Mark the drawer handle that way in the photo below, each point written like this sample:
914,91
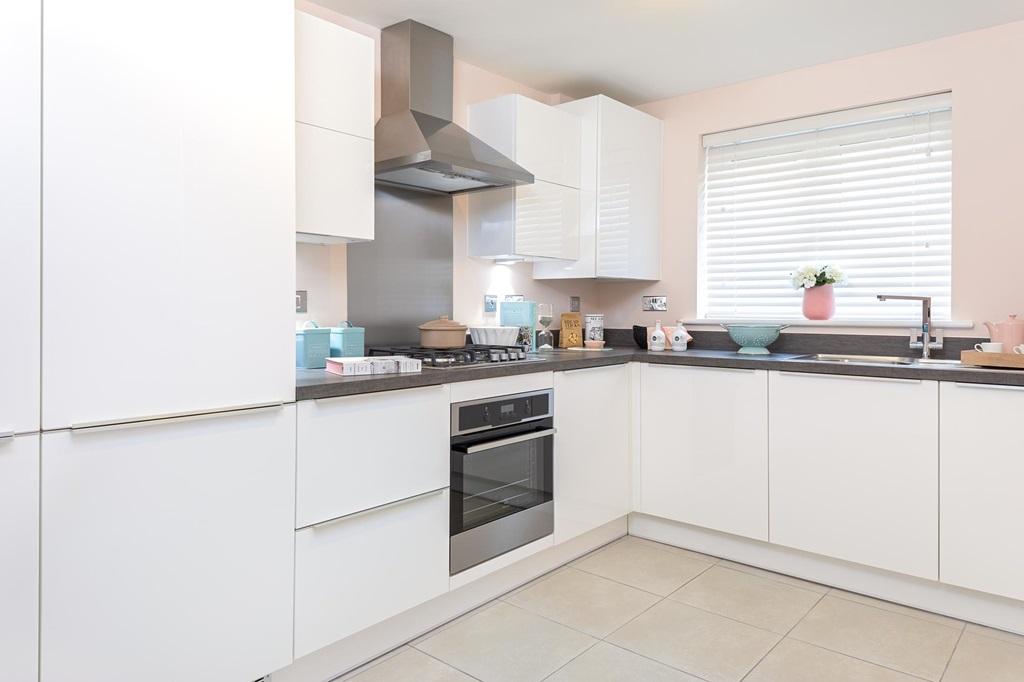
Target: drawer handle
851,376
379,507
998,387
5,435
105,425
510,441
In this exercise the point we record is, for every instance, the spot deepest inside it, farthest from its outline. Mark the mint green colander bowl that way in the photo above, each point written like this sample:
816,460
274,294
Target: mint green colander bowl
754,339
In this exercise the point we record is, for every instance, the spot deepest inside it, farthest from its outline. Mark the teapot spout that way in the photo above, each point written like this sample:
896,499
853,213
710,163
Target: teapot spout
991,327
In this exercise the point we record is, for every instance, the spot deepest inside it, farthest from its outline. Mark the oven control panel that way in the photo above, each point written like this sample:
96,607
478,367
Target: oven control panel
479,415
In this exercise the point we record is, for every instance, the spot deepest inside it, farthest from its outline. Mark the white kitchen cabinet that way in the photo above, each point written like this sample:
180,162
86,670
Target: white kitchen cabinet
334,114
168,549
358,452
854,468
333,186
20,58
334,76
620,196
536,221
592,449
19,557
704,445
169,210
357,571
981,506
540,220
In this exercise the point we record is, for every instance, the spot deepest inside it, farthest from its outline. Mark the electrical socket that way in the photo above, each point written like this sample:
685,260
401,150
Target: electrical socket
655,303
574,304
300,301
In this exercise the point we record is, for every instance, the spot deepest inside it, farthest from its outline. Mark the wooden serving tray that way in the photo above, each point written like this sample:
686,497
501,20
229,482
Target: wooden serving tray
1001,360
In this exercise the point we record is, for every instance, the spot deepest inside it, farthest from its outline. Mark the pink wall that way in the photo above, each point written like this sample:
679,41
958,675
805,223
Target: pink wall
982,68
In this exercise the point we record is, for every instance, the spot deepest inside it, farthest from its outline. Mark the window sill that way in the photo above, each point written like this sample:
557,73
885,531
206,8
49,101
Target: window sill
874,324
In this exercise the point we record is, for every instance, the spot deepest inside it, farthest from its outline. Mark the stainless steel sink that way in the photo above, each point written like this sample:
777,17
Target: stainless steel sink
861,359
876,359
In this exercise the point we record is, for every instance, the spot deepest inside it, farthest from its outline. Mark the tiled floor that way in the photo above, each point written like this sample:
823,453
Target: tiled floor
639,610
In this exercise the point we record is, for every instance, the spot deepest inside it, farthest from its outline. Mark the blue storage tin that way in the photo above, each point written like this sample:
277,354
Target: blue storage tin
312,347
347,341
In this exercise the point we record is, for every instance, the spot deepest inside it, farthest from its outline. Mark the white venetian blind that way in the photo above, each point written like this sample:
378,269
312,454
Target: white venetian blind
868,190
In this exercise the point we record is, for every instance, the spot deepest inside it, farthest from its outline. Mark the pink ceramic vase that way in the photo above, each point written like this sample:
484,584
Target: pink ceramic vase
819,302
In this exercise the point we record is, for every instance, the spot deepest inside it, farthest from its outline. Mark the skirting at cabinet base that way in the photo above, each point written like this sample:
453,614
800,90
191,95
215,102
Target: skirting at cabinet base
976,607
351,652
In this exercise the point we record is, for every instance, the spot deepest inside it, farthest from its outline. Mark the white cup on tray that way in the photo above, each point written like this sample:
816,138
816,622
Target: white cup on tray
990,347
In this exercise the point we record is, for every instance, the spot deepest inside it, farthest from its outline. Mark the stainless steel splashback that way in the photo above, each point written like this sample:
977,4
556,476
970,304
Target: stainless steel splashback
402,278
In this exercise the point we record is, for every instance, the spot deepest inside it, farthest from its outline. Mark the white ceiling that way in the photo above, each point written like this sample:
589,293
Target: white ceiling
644,50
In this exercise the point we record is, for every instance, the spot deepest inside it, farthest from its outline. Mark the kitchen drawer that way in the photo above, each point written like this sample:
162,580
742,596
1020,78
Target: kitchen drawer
358,452
357,571
499,386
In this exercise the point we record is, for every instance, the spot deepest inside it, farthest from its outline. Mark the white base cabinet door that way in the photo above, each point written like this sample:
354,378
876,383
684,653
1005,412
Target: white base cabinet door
704,440
363,451
982,505
20,57
592,449
19,558
854,469
359,570
169,208
168,550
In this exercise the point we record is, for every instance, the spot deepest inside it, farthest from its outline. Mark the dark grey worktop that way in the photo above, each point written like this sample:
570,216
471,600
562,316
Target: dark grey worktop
317,383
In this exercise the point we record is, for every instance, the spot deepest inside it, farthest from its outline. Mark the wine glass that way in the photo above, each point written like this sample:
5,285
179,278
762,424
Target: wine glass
545,339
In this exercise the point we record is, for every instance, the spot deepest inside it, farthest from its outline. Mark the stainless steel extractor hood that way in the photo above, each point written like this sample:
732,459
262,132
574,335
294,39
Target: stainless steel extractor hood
416,144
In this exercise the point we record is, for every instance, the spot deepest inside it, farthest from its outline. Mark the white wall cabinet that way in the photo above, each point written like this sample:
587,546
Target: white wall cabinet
334,113
169,208
704,440
536,221
19,557
982,509
364,451
357,571
592,449
19,216
854,469
168,549
620,197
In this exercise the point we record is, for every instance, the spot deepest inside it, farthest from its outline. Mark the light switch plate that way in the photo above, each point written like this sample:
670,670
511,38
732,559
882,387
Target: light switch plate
490,303
655,303
300,301
574,304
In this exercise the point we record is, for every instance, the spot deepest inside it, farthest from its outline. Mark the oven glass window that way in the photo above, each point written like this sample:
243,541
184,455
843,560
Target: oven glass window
490,484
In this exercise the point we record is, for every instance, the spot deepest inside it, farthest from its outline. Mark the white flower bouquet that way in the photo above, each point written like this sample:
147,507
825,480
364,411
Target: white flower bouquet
810,276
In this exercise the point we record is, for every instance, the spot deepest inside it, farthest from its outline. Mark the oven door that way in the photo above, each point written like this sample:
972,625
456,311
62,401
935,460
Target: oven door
502,491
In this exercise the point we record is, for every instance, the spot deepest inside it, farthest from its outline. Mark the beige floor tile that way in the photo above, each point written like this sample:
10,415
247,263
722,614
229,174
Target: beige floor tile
748,598
646,565
697,642
894,640
410,664
584,601
780,577
453,622
795,661
985,659
897,608
634,541
996,634
607,663
535,581
507,643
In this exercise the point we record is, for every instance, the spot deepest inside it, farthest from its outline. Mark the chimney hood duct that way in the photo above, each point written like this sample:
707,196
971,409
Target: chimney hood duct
416,145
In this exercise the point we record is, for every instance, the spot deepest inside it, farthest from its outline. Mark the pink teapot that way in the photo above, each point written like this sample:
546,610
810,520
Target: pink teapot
1009,332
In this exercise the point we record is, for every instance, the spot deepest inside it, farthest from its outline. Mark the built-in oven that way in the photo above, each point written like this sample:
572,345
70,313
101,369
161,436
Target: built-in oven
502,492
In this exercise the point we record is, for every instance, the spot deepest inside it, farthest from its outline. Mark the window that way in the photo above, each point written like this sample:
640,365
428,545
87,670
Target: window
867,190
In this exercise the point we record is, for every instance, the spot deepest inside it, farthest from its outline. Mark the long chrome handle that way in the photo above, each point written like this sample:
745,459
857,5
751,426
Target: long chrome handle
855,377
379,507
171,417
510,441
998,387
4,435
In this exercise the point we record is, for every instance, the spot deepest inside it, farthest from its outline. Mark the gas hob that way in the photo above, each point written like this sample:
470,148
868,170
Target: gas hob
470,355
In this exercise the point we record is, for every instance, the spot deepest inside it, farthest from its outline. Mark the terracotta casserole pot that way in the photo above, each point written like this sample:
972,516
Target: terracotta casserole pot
442,334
